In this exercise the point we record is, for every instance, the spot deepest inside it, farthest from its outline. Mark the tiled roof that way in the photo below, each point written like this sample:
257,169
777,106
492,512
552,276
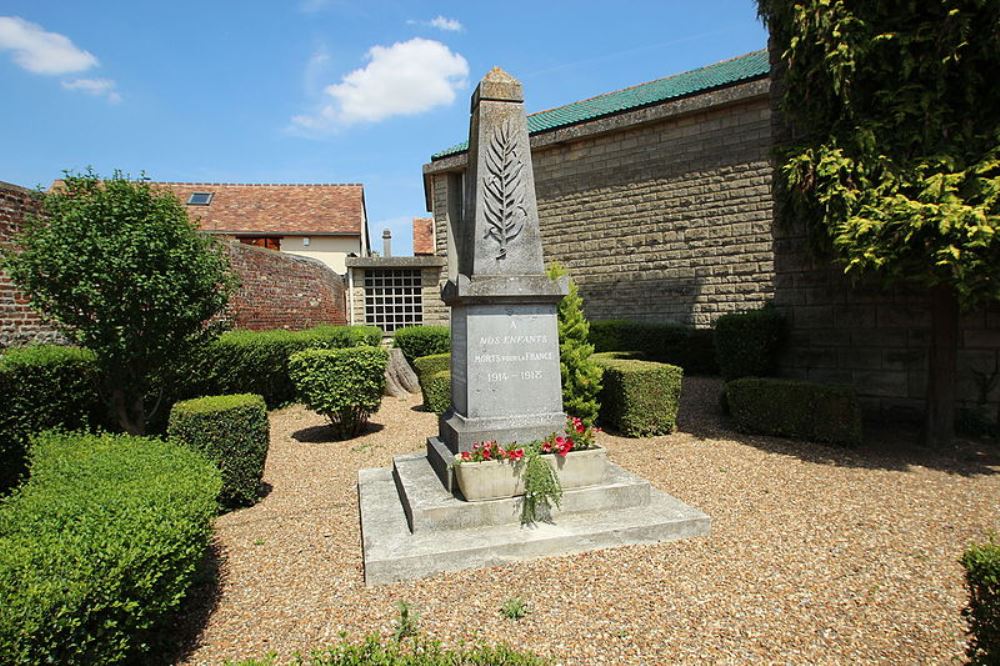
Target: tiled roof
275,209
750,66
423,235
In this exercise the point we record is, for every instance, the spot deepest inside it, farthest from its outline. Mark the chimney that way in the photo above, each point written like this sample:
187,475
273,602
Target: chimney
386,243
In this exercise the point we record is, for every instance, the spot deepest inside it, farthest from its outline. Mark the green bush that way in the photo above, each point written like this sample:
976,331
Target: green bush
233,432
747,343
581,377
691,349
257,361
437,391
417,341
425,367
420,652
42,387
982,576
640,398
100,546
790,408
345,385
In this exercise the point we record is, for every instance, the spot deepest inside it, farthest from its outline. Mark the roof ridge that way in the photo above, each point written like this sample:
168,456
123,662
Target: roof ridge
182,182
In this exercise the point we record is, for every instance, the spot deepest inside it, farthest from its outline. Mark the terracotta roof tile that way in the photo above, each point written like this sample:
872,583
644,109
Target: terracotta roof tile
275,209
423,235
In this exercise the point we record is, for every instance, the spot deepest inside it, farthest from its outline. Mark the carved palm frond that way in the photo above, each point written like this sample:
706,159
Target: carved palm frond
504,200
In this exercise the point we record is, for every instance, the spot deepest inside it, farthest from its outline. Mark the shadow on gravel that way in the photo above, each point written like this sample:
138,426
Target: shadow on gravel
894,446
180,634
323,434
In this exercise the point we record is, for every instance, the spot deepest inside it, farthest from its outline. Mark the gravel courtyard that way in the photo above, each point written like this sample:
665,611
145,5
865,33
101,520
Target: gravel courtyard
816,555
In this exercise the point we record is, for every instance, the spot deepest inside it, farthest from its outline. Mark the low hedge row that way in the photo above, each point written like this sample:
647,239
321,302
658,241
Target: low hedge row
345,385
982,576
417,341
797,409
42,387
747,343
100,546
233,432
437,391
690,348
427,367
639,398
257,361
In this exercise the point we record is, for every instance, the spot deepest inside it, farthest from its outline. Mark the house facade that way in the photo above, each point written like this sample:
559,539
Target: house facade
658,200
327,222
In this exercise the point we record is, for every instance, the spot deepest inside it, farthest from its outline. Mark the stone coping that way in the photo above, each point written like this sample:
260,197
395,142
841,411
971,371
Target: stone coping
395,262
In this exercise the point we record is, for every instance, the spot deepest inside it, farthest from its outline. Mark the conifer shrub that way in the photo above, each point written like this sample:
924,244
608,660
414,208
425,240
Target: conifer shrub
345,385
747,343
233,432
42,387
257,361
581,376
99,547
639,398
417,341
437,391
791,408
982,576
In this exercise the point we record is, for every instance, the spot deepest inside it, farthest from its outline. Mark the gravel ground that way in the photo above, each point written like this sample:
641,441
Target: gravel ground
816,555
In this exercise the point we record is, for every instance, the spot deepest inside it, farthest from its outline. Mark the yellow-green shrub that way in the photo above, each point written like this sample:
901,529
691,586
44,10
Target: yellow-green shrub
639,398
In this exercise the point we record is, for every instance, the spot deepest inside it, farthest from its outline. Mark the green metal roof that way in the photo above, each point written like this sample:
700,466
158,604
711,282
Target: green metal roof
750,66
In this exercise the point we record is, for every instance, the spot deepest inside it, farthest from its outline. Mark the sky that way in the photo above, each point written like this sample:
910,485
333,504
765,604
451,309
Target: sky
315,91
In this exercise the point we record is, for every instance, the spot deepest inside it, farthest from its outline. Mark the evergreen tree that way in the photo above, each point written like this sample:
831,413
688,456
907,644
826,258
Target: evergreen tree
581,377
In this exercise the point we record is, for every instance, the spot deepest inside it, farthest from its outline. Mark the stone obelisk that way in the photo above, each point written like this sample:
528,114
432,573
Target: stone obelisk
505,377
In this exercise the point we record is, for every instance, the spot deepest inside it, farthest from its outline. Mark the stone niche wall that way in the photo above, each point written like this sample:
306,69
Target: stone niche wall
19,324
280,290
667,221
435,312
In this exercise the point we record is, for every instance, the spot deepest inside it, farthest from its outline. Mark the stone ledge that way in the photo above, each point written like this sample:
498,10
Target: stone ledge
423,261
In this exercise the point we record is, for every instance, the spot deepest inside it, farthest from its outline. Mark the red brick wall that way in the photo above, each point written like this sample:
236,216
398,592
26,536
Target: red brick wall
280,290
19,324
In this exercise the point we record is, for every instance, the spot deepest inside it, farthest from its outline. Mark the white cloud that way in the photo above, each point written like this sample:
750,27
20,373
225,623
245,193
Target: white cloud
42,52
441,23
403,79
97,87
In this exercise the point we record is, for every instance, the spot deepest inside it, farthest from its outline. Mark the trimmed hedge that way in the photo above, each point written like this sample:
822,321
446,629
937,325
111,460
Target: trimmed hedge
437,391
982,576
690,348
639,398
747,343
345,385
42,387
417,341
233,432
257,361
798,409
420,652
100,546
425,367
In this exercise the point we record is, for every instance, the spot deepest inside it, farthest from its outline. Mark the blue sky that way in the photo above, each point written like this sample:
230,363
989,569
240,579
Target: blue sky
315,90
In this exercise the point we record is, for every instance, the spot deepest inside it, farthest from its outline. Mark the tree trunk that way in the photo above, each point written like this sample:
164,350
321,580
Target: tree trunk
939,426
132,420
400,378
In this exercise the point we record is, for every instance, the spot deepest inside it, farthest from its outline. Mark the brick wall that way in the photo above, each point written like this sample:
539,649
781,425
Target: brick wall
280,290
19,324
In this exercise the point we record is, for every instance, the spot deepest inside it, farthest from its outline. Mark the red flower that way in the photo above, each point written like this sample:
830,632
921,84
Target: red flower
466,455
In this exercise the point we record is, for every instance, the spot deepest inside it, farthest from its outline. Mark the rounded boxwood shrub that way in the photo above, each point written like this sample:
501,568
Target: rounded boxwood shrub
437,391
345,385
982,576
747,343
233,432
100,546
427,366
639,398
42,387
417,341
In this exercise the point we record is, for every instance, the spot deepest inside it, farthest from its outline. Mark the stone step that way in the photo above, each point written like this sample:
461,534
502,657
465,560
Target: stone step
429,506
392,553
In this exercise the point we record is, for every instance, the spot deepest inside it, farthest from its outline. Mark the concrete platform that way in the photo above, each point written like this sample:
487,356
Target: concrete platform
450,534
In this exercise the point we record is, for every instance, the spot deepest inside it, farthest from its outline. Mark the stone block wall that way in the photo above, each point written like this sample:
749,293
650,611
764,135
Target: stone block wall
19,324
435,312
281,290
665,221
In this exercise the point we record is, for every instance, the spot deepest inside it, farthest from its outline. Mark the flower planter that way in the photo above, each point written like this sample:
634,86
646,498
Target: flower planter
499,479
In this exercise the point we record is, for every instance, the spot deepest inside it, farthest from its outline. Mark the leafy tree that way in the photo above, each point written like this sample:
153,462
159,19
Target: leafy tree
581,377
893,159
120,268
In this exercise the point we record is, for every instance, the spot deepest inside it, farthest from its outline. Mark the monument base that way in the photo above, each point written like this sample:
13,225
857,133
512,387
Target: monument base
413,527
460,432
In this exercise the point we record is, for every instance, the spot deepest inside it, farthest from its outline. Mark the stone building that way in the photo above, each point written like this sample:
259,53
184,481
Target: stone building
657,198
